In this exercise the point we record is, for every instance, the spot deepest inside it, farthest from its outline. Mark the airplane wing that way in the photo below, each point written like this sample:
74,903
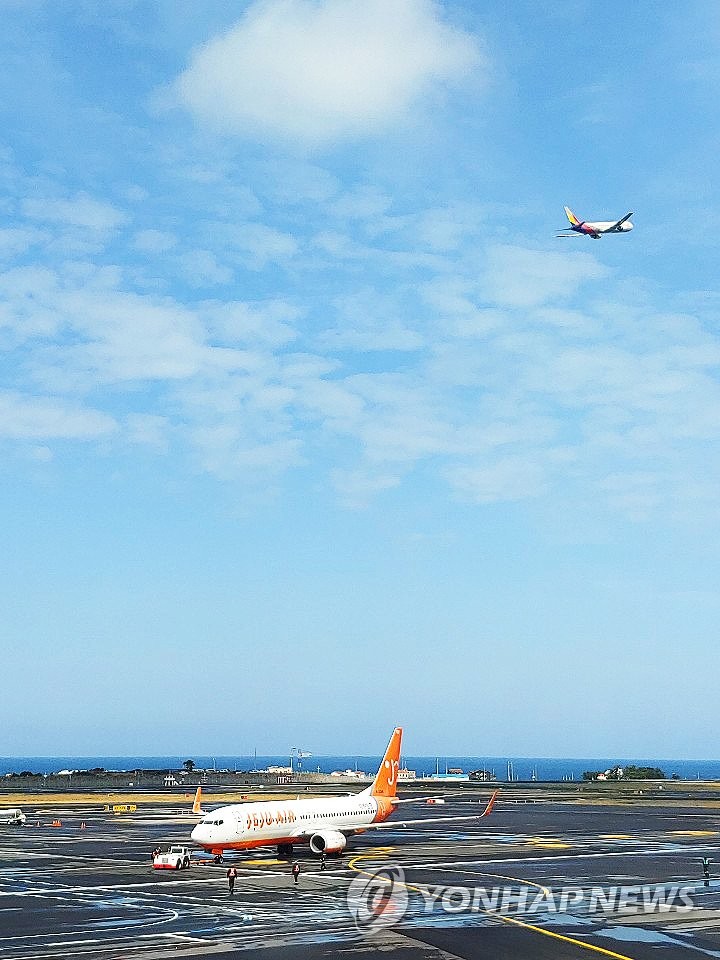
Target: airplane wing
616,226
396,800
389,824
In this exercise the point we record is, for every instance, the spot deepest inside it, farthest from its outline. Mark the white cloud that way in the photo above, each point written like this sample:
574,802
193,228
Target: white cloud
27,303
154,241
44,418
363,202
148,429
200,268
40,454
519,377
227,452
316,72
520,277
509,478
367,321
125,337
18,240
446,228
293,181
269,322
358,487
254,244
80,211
452,299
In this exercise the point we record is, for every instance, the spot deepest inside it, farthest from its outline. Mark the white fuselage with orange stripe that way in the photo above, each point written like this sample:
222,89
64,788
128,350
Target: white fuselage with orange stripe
241,826
323,822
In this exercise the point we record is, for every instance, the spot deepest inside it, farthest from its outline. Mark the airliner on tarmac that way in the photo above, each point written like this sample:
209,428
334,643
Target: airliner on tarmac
324,823
594,228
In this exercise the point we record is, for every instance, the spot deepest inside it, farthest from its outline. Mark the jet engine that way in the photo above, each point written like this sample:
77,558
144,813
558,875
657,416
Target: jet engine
327,841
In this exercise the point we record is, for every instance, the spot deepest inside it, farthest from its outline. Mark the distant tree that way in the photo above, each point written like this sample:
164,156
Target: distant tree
643,773
626,773
676,776
189,765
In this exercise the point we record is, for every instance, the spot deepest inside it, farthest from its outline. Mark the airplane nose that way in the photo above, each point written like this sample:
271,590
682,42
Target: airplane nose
195,835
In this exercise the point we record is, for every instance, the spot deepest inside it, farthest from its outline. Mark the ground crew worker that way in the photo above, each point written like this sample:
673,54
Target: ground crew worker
156,852
706,870
231,875
296,871
322,861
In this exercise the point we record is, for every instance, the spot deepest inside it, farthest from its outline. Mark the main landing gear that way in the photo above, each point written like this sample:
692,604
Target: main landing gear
285,851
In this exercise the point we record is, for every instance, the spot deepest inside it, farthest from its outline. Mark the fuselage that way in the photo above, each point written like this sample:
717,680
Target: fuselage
241,826
596,227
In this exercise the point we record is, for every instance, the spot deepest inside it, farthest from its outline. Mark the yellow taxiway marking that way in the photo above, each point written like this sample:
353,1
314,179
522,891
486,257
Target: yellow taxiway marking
561,936
380,851
616,836
548,844
693,833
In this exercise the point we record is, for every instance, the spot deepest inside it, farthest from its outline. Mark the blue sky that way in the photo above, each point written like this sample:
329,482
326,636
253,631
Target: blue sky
309,426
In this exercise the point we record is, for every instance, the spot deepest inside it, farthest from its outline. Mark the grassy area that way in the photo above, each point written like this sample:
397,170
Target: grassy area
140,799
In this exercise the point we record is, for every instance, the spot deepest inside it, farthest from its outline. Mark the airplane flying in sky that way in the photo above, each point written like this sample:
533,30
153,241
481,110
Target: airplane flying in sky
323,822
594,228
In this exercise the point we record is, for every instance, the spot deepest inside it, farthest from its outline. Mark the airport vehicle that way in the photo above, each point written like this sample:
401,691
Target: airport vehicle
13,815
594,228
325,823
176,858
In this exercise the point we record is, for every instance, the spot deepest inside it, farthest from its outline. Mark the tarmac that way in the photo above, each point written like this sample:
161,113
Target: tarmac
542,879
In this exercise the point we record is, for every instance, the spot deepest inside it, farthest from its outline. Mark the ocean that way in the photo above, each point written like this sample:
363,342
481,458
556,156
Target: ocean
524,768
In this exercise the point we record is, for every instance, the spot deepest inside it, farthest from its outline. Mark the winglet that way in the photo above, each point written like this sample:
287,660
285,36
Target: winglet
196,808
571,217
491,803
385,782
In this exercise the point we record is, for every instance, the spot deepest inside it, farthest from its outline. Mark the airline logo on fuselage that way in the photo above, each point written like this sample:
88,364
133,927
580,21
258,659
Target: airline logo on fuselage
266,818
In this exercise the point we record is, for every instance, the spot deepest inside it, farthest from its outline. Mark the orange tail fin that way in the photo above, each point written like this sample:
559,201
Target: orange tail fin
385,782
491,803
196,808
